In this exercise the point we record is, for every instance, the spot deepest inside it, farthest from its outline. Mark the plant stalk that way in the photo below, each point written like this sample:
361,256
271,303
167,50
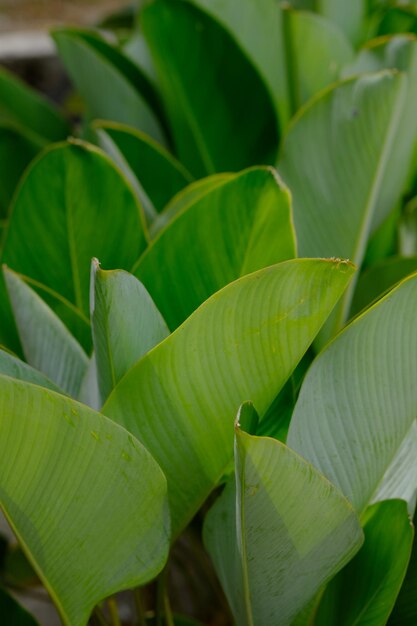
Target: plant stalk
114,613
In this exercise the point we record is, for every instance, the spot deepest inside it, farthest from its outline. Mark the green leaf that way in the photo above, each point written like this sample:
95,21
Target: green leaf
258,29
365,591
319,50
47,344
356,411
376,280
394,53
228,124
277,533
12,613
235,228
405,609
23,149
145,164
112,86
333,217
90,211
11,366
74,319
244,342
94,520
29,111
126,324
188,196
349,16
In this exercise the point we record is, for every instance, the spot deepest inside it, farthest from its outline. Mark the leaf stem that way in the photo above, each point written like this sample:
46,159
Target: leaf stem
163,608
99,617
114,613
140,611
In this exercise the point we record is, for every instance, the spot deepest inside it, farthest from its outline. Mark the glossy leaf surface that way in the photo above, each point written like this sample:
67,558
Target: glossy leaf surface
357,403
277,534
237,227
126,324
72,481
244,342
229,122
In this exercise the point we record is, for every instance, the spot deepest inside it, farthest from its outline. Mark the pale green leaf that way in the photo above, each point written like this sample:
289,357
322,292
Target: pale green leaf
358,401
11,366
277,533
85,499
126,324
47,344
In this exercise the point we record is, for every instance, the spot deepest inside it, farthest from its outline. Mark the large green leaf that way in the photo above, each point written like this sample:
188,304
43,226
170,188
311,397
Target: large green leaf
87,209
221,113
277,533
244,342
405,609
257,25
47,344
333,216
12,613
319,50
28,110
235,228
355,415
112,86
153,172
126,324
16,152
85,499
394,53
364,593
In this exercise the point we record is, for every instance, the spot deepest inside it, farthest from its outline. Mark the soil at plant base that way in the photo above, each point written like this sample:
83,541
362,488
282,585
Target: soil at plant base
18,15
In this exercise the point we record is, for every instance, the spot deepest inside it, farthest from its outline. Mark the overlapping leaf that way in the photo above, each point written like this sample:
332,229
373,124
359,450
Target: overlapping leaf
236,227
244,342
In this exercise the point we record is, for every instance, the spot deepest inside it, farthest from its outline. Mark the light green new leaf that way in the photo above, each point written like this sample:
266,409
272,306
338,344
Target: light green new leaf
319,50
336,176
28,110
277,533
126,324
47,344
186,197
89,392
85,499
257,26
364,593
244,342
11,366
357,405
112,86
226,121
16,152
154,174
394,53
89,210
236,227
12,613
